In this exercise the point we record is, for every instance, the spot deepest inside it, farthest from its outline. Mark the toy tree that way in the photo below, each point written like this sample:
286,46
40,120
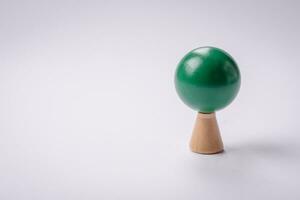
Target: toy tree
207,79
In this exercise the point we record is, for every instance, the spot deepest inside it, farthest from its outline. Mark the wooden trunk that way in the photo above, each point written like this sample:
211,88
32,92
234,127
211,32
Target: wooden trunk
206,138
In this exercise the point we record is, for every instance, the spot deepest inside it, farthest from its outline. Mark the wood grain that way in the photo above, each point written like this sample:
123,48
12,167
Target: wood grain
206,138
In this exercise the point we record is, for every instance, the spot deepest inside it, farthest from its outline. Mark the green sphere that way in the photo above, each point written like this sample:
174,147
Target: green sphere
207,79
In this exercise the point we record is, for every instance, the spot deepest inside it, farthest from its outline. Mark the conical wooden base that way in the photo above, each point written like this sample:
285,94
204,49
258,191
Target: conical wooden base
206,138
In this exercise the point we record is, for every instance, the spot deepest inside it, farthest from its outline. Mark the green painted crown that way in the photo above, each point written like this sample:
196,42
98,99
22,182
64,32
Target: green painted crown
207,79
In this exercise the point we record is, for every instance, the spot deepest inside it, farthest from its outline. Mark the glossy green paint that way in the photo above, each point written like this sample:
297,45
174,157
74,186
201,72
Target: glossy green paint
207,79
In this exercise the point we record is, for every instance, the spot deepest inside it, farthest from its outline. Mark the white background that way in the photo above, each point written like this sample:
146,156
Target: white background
88,108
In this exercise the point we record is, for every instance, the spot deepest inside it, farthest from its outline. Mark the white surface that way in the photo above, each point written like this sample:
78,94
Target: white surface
88,109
